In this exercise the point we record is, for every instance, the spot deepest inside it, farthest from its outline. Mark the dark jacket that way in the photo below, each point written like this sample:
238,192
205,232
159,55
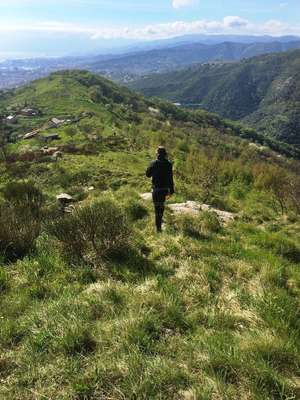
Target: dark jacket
161,172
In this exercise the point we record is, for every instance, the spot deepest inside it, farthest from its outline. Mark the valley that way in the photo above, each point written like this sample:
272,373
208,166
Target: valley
262,92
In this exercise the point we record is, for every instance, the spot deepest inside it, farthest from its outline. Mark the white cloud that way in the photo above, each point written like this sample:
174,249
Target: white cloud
229,25
182,3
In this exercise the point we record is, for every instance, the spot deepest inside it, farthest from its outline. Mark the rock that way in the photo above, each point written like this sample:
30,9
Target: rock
89,189
49,151
146,196
64,197
154,111
190,207
193,207
57,154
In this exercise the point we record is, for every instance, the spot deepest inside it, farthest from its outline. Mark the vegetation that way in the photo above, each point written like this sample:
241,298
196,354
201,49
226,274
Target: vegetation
94,305
262,92
182,55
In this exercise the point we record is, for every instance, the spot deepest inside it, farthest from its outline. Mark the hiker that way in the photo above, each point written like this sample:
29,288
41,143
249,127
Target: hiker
161,172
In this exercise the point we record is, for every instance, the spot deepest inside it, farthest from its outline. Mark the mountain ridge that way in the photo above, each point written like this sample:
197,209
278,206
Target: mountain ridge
261,92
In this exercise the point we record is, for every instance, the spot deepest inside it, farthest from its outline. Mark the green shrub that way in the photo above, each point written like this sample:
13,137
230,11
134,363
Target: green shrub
19,230
198,226
4,284
188,225
280,244
136,210
24,195
94,230
209,222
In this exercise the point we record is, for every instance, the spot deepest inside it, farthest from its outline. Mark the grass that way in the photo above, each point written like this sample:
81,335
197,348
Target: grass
203,311
209,320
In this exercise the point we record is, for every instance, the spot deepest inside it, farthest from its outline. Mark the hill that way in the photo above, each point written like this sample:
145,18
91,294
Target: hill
263,92
180,56
150,57
95,305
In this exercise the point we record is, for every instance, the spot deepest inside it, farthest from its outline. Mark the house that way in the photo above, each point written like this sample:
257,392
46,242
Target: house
11,119
55,122
28,112
30,135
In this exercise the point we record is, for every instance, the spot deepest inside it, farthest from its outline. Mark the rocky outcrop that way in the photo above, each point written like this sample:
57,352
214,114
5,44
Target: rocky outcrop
194,207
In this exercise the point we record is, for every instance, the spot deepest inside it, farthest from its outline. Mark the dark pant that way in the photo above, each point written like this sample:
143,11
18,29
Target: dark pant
159,198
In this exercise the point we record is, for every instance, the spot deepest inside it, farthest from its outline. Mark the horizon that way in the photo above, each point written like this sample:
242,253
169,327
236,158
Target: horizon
78,27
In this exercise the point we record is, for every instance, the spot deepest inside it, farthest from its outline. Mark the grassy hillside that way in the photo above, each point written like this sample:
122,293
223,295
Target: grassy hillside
93,304
262,92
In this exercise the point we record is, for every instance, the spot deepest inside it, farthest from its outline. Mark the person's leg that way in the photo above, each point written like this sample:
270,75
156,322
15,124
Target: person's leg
159,198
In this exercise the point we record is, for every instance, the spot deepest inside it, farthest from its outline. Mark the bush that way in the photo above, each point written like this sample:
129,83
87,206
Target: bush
4,283
95,230
24,195
209,222
19,230
136,210
198,226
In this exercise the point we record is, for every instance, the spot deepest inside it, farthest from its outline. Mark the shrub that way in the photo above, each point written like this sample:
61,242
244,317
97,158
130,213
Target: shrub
198,226
209,222
96,230
19,230
189,225
136,210
4,283
24,195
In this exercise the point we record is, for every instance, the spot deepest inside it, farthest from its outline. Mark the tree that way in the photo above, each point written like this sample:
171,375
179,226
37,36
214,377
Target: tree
276,180
204,172
3,141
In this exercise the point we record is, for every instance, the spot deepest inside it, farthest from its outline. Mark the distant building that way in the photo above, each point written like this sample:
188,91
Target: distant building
11,119
29,112
30,135
55,122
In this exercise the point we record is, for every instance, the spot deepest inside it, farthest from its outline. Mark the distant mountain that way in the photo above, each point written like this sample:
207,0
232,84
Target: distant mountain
213,39
172,58
147,58
263,92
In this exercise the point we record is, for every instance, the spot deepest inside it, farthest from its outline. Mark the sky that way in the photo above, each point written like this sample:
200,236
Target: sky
56,27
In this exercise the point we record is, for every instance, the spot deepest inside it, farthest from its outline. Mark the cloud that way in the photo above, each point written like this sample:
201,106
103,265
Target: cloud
228,25
235,22
182,3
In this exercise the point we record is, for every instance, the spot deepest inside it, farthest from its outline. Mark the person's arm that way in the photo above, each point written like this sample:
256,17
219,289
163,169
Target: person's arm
171,188
149,171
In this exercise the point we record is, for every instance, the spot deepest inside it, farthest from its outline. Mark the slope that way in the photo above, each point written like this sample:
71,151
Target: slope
206,310
263,92
172,58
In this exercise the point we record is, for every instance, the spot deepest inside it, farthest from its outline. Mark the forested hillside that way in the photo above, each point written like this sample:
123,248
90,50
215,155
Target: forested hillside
177,57
262,92
93,303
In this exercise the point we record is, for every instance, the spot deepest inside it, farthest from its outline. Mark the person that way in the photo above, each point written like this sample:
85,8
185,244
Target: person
161,172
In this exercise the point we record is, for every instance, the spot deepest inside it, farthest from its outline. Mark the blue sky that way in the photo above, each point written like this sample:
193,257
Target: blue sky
26,24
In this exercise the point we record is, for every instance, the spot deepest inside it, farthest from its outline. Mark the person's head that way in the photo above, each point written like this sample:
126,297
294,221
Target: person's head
161,152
